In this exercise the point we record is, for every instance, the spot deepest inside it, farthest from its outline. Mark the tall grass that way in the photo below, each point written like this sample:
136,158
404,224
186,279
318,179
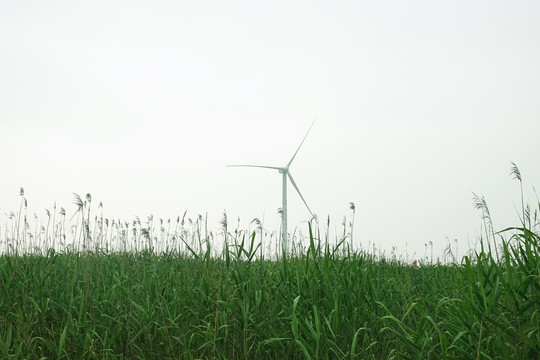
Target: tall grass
177,296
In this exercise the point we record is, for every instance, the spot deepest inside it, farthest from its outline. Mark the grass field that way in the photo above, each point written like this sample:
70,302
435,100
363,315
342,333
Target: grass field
190,301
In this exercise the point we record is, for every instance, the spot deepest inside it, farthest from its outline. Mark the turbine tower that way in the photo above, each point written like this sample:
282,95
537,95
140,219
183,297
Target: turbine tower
286,173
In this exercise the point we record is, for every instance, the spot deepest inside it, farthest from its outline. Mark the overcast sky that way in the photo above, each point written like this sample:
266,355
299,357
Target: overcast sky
142,104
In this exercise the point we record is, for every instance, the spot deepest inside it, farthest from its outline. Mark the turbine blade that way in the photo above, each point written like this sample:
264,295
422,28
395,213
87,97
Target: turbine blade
289,164
259,166
299,193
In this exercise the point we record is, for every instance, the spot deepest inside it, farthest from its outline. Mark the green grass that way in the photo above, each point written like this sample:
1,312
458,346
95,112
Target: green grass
317,305
191,301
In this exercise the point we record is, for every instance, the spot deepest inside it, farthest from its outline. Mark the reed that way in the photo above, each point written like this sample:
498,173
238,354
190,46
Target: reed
134,290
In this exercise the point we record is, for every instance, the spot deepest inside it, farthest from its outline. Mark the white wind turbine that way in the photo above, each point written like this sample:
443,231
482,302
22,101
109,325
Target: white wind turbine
286,173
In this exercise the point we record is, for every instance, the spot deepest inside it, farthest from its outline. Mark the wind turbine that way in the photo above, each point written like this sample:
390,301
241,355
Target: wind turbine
286,173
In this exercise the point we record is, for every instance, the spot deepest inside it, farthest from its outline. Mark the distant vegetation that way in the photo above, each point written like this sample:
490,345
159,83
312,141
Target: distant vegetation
113,290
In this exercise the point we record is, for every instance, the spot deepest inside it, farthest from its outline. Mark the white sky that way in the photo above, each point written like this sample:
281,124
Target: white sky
143,103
